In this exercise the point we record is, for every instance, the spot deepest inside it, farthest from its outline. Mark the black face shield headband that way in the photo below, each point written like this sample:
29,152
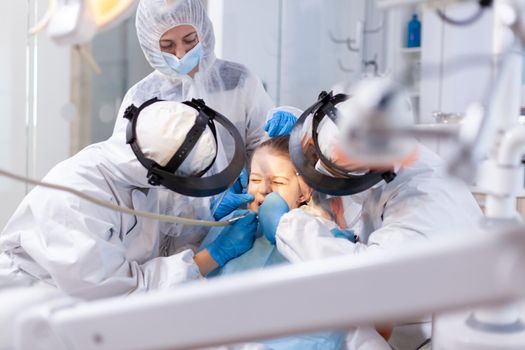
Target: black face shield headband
193,186
344,183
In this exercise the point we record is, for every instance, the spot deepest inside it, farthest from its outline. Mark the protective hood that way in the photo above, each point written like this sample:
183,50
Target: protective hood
152,23
160,132
162,129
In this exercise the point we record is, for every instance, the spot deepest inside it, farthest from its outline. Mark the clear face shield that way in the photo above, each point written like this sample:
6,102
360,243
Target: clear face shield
318,169
196,185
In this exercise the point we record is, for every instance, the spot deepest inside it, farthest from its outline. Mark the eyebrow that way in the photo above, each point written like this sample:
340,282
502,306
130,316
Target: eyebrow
187,35
281,177
273,177
184,37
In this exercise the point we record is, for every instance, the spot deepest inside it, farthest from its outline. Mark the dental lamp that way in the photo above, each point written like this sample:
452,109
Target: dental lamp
74,22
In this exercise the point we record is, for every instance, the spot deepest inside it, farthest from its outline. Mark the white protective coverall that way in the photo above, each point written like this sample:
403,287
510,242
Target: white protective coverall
422,202
92,252
228,87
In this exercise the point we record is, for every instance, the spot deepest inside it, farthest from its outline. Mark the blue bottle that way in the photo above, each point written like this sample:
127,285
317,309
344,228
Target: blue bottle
414,32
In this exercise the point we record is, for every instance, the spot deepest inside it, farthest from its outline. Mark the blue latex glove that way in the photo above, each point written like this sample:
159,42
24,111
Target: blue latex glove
231,201
270,212
234,198
235,239
240,185
281,123
345,233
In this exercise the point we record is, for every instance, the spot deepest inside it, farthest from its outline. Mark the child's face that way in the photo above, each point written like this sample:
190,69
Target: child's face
273,172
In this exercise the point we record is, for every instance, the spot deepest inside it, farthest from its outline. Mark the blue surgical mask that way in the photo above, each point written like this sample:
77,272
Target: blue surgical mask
186,64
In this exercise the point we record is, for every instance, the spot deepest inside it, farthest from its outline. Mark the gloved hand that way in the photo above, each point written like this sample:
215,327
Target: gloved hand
235,239
240,185
270,212
234,198
281,123
230,202
345,233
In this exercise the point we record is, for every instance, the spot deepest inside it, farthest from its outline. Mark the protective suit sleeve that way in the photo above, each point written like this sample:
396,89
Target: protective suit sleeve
181,237
423,202
86,258
258,103
407,217
303,237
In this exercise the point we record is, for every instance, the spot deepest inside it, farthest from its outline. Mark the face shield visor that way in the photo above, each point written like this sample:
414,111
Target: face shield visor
304,141
168,175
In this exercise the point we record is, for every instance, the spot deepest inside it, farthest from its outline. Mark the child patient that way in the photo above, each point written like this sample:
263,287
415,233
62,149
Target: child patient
272,171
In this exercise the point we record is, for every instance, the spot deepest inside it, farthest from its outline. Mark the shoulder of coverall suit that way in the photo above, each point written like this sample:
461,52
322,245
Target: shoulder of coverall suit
427,165
149,84
408,180
233,75
48,205
425,178
82,171
221,76
154,84
93,171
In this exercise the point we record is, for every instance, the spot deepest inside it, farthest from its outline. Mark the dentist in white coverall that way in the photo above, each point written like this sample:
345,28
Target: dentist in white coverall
421,203
91,252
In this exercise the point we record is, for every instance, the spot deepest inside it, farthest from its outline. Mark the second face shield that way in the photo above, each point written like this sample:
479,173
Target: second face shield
306,153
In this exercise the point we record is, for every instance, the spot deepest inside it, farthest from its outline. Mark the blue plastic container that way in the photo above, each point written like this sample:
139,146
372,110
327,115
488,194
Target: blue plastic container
414,32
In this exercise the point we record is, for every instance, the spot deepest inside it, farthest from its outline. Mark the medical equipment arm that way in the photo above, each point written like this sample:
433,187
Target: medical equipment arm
385,4
466,271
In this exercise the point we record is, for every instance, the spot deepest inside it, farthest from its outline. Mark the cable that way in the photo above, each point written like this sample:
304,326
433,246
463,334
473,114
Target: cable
109,205
462,22
483,4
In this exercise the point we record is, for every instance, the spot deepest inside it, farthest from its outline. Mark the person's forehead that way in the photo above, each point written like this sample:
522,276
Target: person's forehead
268,163
179,31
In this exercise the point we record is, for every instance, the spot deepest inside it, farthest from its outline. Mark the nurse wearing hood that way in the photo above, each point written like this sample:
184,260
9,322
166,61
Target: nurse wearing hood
179,45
